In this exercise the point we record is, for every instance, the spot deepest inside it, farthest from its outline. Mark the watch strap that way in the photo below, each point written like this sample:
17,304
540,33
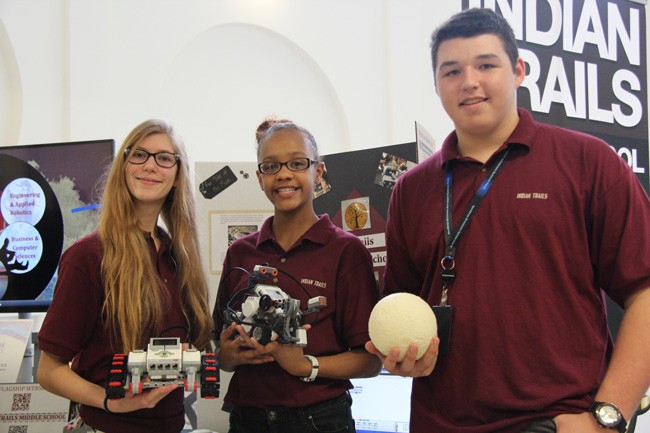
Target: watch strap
314,369
620,426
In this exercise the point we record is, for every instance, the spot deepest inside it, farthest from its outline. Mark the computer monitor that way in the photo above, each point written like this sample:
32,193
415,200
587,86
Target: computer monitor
382,404
47,201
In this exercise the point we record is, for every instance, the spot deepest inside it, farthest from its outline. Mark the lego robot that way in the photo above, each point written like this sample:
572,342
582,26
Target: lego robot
163,363
269,314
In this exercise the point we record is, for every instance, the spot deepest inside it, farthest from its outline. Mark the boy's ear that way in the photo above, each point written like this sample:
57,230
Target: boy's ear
520,71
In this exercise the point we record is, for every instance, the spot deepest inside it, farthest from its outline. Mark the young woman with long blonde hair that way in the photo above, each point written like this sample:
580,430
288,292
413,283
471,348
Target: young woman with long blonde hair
129,281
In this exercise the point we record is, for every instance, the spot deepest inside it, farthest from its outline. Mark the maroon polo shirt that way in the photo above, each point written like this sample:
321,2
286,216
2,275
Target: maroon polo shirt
73,330
564,217
328,262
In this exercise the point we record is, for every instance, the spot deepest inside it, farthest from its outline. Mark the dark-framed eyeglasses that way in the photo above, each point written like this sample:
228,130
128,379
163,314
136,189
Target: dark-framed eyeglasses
296,164
140,156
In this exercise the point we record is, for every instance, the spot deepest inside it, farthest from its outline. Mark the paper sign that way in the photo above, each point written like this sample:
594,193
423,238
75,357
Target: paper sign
28,408
14,336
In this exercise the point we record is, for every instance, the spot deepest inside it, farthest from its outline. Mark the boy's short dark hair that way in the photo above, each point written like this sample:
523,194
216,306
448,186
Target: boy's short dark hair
475,22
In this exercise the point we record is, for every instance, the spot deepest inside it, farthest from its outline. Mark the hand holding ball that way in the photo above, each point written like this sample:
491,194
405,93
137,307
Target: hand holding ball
400,319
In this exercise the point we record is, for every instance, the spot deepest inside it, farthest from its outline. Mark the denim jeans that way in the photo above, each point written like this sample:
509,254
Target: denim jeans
542,425
328,416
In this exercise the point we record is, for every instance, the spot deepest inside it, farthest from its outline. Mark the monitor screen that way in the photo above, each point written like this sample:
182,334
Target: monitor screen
381,404
47,194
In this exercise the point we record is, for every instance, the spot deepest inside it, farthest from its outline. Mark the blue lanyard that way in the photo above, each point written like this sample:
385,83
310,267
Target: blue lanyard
452,236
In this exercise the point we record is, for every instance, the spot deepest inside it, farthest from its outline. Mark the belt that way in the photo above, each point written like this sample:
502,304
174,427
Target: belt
280,413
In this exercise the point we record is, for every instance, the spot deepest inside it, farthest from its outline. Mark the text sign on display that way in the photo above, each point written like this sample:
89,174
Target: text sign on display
585,68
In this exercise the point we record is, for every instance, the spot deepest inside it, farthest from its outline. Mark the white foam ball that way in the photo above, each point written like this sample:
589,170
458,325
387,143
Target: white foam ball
400,319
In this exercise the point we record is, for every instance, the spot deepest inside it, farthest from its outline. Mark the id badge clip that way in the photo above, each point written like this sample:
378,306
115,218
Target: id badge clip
444,313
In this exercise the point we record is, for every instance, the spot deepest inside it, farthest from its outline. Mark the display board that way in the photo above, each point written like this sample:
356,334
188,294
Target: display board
356,190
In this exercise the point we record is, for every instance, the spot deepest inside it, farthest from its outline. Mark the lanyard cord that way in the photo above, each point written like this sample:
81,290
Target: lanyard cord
453,236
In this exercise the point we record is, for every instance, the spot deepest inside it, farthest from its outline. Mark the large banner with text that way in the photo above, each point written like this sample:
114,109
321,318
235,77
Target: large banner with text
586,68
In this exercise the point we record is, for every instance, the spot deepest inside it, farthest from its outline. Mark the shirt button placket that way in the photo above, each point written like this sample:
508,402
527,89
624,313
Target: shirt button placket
282,260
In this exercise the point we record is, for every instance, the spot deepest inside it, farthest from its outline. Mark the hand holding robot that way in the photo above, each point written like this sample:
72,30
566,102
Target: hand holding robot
268,313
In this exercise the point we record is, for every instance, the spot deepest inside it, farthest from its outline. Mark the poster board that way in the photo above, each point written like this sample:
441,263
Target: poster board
229,204
28,408
362,180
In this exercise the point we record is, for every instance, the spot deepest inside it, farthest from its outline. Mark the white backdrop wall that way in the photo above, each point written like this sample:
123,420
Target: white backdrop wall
356,72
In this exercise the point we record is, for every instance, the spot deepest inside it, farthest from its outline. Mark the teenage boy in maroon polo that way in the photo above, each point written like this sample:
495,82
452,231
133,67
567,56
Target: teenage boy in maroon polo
563,218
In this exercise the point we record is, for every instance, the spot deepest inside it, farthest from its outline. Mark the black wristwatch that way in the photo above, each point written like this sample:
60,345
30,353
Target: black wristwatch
608,416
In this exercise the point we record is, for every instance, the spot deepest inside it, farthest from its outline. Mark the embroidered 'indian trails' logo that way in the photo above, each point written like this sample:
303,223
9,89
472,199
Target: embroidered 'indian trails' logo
532,196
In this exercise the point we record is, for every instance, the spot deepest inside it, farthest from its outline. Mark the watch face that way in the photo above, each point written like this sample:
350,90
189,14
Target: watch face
608,415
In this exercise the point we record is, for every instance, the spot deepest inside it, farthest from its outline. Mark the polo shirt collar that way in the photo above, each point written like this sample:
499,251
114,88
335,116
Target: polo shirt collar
165,241
320,232
523,134
526,129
